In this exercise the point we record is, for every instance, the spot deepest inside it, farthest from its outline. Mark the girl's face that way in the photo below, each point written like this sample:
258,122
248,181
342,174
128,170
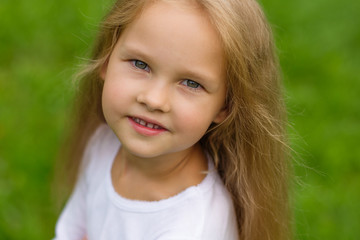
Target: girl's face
164,81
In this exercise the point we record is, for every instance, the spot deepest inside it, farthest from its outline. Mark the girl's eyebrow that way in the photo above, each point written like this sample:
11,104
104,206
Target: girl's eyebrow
133,52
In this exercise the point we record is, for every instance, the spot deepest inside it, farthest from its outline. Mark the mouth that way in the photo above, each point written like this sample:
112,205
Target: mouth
146,127
147,124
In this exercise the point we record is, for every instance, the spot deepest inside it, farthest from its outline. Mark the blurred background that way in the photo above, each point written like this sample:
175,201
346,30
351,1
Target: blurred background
42,44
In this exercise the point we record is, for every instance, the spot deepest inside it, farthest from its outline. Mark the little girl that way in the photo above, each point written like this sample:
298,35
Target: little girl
180,127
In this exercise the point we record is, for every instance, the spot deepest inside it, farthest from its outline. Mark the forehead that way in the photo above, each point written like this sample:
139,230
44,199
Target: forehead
170,19
176,31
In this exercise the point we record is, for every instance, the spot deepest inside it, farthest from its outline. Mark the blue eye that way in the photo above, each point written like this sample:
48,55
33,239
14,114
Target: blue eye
140,65
191,84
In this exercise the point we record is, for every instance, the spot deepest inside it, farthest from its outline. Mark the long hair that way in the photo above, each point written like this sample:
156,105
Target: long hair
249,147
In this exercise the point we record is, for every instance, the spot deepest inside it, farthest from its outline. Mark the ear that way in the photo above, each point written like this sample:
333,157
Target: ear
103,70
222,114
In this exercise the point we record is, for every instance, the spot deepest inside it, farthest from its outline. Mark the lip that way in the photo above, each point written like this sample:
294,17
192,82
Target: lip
144,130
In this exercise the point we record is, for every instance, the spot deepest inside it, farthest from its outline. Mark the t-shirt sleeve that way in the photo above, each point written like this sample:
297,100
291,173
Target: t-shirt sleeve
71,224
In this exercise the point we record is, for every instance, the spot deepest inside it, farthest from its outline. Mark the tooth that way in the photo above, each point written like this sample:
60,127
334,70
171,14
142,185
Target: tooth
142,122
156,127
150,125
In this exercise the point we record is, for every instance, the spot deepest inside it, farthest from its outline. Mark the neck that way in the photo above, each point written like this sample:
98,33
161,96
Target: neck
158,178
164,166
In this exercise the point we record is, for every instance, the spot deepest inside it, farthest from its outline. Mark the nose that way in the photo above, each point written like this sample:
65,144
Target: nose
155,97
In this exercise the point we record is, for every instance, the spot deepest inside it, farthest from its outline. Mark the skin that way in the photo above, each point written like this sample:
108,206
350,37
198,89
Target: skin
166,68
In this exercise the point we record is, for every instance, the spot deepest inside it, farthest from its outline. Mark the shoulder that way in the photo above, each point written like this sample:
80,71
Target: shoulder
102,139
100,150
219,213
207,212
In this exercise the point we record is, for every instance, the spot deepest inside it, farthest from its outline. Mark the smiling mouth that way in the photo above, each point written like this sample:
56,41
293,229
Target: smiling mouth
147,124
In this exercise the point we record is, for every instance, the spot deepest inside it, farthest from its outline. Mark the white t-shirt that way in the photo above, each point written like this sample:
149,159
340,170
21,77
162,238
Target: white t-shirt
97,211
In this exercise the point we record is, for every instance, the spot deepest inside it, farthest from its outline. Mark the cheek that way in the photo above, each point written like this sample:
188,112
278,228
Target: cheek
115,97
111,94
194,121
116,85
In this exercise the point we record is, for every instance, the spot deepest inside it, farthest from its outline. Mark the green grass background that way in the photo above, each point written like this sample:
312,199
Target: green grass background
41,43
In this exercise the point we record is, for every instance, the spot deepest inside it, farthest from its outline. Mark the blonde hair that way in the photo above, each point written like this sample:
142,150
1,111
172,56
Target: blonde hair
249,146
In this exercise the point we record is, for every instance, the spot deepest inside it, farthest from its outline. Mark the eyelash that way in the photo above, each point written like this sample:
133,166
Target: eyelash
198,85
135,63
146,68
